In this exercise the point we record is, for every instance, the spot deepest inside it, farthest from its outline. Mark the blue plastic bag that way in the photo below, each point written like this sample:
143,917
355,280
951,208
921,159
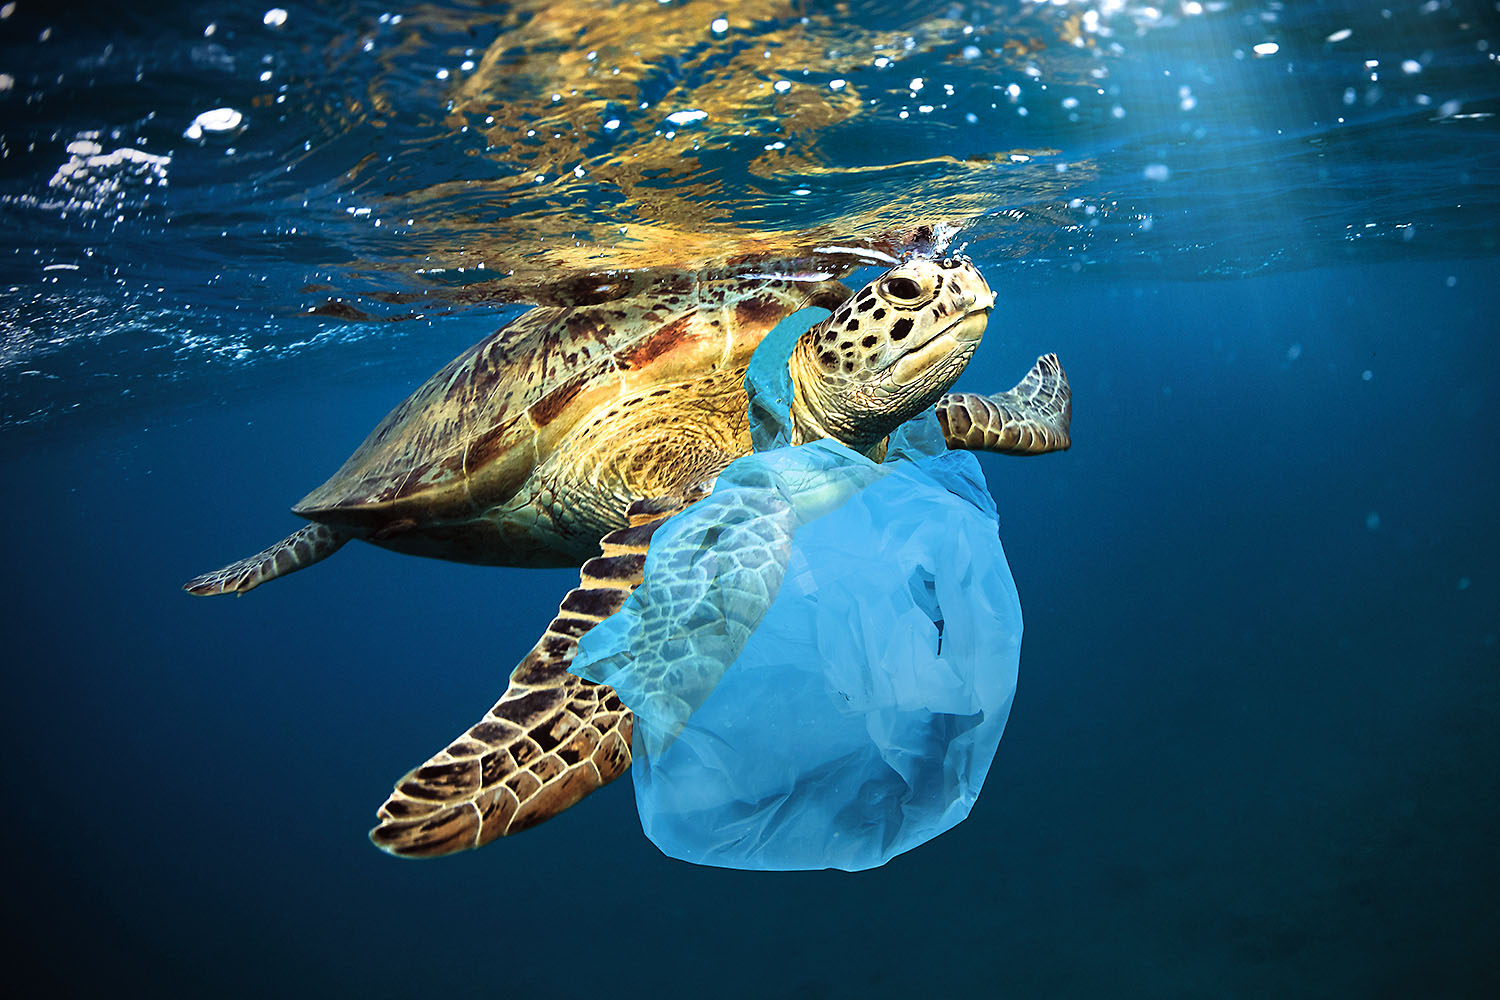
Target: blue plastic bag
822,656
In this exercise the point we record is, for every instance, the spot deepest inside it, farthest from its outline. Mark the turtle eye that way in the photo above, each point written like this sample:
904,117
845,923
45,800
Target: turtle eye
901,289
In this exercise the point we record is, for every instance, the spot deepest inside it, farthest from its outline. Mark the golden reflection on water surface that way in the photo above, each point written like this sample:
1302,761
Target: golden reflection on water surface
689,137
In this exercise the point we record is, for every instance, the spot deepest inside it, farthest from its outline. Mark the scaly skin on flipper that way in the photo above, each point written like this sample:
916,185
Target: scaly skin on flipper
1031,419
550,740
713,585
299,549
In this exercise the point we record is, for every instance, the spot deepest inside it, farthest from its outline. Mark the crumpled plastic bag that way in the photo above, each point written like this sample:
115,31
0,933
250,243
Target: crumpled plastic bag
822,656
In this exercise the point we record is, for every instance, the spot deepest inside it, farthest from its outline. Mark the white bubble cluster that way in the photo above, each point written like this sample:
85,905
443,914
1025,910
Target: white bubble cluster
219,121
92,181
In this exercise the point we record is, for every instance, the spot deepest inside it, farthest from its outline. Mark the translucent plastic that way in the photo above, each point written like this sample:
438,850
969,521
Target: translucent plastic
821,659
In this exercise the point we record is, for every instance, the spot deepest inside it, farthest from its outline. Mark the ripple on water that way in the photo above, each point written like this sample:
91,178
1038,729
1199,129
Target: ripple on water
365,164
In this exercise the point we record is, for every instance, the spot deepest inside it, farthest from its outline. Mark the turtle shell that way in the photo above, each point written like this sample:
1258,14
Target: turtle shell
470,437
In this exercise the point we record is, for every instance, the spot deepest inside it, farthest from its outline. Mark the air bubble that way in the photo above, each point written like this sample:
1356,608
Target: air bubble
218,120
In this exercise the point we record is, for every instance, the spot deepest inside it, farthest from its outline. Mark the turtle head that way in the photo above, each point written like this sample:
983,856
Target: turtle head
888,352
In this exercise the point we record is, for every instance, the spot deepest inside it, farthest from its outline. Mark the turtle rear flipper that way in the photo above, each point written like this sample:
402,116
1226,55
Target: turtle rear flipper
551,739
299,549
1031,419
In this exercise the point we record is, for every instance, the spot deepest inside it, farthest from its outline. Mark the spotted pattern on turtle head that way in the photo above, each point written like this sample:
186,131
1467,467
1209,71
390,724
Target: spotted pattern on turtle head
899,312
890,351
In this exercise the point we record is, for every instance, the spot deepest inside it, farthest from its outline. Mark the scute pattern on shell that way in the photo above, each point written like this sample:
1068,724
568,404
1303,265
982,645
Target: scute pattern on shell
481,423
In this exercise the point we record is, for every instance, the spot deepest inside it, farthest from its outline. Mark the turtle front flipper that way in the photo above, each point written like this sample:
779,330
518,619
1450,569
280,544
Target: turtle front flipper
1031,419
300,549
551,739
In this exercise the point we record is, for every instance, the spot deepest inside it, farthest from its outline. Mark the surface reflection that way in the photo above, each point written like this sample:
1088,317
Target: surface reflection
681,137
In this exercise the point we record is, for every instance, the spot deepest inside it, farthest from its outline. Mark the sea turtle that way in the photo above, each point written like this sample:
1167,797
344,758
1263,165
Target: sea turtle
569,435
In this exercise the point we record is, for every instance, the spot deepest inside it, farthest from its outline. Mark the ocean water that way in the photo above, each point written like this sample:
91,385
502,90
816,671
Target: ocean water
1255,749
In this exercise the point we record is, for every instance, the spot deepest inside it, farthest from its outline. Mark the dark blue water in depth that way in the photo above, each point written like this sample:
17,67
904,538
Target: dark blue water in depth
1255,749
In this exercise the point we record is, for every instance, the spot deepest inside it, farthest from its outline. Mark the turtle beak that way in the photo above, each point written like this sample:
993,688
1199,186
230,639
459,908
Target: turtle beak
962,336
971,327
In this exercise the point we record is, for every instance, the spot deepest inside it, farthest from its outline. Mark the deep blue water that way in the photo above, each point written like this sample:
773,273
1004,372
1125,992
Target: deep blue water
1256,745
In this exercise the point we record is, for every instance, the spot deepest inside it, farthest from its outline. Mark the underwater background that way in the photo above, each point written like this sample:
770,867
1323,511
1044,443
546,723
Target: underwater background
1255,750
